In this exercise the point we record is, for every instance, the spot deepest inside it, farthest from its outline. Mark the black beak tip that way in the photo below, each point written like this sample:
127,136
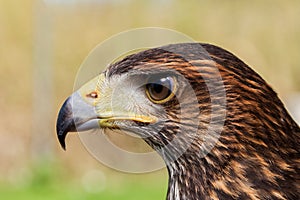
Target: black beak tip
61,139
65,123
61,133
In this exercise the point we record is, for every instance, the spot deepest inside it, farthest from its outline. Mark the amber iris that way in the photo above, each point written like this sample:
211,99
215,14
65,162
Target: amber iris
160,90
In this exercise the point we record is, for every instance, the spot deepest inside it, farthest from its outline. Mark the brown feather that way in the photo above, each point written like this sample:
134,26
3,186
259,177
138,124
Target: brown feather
257,155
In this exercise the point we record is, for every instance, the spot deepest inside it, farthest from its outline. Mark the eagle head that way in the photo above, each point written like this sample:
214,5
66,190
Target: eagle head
220,128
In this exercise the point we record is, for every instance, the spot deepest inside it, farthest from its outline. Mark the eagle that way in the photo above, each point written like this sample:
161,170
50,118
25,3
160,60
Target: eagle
221,130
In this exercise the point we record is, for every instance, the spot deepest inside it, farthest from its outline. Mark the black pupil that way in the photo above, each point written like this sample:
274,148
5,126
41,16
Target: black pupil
160,89
156,88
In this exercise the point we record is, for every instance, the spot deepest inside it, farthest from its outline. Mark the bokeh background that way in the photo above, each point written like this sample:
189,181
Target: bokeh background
43,43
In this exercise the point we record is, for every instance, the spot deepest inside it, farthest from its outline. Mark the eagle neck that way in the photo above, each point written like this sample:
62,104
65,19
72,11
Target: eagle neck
185,183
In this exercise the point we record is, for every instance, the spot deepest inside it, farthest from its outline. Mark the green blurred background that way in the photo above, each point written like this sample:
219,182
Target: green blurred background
265,34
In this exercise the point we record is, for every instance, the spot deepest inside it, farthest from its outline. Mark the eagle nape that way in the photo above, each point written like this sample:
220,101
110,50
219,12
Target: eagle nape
161,92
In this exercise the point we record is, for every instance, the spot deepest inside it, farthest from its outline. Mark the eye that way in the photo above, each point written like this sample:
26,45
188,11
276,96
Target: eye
160,90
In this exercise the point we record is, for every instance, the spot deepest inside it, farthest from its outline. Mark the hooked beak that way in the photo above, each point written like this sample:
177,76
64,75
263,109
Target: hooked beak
79,113
75,115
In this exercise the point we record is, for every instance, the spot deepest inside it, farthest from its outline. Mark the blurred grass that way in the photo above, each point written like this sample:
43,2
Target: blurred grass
49,181
133,191
265,34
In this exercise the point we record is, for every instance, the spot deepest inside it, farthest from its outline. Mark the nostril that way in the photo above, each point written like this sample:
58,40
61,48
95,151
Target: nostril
93,95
